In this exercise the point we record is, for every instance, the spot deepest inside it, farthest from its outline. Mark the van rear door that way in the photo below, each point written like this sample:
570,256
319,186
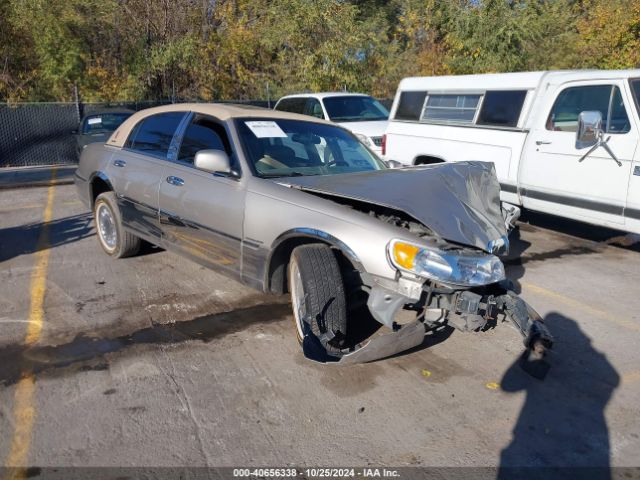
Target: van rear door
551,177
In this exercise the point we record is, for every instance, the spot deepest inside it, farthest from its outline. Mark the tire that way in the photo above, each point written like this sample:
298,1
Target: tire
113,238
317,295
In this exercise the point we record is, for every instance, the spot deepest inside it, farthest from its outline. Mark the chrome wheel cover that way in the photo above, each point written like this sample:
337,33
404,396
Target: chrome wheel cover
106,226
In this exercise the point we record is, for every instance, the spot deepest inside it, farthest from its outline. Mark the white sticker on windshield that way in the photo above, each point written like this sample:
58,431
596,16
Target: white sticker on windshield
93,121
266,129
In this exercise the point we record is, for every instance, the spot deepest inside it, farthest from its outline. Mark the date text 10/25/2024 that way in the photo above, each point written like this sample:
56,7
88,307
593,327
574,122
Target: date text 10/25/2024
315,472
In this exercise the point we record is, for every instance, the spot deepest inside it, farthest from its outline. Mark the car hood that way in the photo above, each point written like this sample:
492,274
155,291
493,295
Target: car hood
374,128
458,201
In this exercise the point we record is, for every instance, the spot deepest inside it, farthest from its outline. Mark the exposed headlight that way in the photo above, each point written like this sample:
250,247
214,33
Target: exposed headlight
364,139
452,268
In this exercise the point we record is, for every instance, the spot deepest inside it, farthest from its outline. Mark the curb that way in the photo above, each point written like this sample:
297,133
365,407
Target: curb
26,177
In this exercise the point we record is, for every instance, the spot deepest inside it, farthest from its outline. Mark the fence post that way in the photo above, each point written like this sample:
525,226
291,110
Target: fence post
76,99
268,96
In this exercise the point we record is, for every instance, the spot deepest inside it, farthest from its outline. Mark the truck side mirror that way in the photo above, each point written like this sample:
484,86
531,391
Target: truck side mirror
589,129
212,161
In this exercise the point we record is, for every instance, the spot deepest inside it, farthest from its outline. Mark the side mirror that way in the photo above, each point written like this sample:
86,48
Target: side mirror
213,161
589,129
394,164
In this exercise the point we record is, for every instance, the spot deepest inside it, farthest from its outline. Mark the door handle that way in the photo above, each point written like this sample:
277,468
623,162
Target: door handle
542,142
120,163
178,182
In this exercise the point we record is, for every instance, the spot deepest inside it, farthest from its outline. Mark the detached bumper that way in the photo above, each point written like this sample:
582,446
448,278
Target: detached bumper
466,310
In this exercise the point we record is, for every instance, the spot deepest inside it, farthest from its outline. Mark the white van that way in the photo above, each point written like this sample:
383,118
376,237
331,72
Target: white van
362,114
563,142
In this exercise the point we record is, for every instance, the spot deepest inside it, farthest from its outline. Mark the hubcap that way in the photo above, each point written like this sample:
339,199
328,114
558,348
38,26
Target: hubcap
106,227
297,298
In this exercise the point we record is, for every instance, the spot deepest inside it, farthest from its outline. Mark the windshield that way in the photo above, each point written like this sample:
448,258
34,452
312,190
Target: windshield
104,122
281,148
355,109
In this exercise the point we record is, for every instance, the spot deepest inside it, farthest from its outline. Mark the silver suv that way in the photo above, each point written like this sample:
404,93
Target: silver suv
288,203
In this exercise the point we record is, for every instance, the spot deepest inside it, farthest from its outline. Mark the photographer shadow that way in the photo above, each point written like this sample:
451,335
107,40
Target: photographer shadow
561,432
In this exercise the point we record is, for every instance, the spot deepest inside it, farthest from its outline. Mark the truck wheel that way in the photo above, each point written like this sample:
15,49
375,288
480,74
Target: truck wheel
317,296
114,240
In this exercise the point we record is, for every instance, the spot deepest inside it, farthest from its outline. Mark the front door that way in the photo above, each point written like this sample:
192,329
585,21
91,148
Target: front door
552,178
201,214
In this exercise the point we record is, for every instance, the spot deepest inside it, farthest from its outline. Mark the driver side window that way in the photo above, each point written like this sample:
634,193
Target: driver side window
606,99
203,133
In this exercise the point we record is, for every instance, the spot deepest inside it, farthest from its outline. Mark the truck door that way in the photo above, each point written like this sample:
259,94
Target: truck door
551,177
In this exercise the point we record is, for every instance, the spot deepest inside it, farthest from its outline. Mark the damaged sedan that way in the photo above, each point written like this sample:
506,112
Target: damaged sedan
287,203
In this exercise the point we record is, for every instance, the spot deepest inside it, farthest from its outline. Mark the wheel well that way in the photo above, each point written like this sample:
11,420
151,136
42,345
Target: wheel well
98,186
279,263
427,160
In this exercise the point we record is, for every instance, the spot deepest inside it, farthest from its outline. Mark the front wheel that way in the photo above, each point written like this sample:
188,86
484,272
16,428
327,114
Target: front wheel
114,240
317,296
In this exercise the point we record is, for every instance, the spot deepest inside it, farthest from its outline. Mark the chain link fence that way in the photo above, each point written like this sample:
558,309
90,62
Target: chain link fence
35,134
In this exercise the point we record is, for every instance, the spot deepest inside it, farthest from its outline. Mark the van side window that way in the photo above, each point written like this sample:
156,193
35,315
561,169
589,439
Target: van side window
314,108
410,105
635,89
153,135
292,105
502,108
202,134
451,108
606,99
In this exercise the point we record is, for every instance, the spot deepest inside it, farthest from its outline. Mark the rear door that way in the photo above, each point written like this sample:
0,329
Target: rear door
137,170
201,213
552,178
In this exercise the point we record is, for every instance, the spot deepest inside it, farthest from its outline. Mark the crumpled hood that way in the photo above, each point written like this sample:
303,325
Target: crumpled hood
459,201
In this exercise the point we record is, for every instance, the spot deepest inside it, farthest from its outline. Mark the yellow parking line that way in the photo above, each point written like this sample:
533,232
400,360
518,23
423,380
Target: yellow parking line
23,410
631,377
620,321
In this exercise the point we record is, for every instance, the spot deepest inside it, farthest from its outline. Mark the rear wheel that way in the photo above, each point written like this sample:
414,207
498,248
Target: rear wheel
317,296
114,240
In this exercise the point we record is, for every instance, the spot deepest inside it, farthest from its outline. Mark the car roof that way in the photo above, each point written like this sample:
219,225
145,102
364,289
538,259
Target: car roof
321,95
222,111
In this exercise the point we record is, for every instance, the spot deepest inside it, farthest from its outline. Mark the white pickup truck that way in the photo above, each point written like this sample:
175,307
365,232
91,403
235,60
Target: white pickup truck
563,142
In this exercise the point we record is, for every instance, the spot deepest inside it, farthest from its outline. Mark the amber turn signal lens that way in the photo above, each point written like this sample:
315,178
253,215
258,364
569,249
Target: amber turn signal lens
404,255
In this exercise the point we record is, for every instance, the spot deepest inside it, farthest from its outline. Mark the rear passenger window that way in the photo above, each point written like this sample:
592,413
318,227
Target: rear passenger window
451,108
501,108
293,105
410,105
203,133
153,135
606,99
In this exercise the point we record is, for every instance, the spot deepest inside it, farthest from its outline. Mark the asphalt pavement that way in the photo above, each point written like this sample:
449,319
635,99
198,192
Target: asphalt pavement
156,361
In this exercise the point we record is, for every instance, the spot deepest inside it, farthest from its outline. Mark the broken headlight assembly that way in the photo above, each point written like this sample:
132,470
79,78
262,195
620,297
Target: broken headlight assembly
464,269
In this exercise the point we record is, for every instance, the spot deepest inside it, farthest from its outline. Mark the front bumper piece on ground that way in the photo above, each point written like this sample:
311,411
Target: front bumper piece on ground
470,312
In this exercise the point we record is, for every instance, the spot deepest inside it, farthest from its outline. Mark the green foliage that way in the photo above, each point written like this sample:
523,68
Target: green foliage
233,49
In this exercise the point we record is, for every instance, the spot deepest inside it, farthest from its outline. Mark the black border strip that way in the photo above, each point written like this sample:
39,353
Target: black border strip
509,188
574,202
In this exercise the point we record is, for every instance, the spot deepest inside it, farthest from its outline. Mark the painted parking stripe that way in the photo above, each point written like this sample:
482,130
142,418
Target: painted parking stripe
620,321
24,411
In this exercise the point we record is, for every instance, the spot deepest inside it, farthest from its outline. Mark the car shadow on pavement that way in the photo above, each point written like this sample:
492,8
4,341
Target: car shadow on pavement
517,259
17,360
23,239
561,431
602,235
